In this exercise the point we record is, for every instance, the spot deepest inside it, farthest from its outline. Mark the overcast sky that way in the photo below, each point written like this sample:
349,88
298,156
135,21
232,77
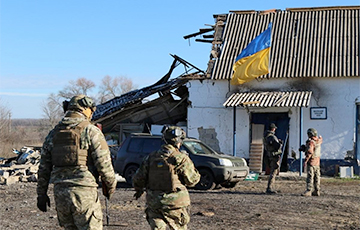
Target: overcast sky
45,44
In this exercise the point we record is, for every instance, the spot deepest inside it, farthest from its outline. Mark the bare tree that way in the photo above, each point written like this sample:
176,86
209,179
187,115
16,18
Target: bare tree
53,109
5,119
112,87
5,128
80,86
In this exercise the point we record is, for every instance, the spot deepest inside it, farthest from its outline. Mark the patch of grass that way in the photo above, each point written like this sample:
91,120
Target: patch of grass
336,180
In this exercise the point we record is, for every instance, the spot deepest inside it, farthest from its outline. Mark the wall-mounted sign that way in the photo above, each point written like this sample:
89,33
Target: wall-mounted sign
318,113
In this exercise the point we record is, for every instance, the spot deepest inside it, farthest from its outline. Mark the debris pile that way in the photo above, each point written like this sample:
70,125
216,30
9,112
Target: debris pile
23,167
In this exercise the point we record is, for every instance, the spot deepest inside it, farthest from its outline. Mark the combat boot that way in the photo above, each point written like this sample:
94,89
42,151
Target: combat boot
306,193
316,193
270,192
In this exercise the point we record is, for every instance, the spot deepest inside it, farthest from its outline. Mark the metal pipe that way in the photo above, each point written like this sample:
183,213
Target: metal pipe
357,136
301,141
234,134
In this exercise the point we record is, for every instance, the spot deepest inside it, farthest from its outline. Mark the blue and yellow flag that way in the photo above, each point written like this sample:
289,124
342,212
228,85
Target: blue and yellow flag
253,61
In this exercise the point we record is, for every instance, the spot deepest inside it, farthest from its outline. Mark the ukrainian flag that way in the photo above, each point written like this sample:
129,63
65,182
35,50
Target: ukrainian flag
253,61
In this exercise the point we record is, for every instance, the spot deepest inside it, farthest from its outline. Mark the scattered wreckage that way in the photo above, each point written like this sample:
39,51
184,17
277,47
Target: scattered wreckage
23,167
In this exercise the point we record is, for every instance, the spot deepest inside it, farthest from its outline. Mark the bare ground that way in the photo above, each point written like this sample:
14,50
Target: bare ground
244,207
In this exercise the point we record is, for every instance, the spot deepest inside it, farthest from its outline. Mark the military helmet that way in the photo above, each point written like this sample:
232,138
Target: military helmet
311,132
81,102
173,134
273,126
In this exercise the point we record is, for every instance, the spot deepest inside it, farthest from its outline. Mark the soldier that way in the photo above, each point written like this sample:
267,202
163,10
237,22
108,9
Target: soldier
312,162
72,155
273,154
164,174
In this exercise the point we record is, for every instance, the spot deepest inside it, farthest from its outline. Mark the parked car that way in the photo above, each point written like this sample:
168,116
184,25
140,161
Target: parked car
215,168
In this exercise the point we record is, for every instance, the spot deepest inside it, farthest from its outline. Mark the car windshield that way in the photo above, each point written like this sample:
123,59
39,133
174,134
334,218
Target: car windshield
198,147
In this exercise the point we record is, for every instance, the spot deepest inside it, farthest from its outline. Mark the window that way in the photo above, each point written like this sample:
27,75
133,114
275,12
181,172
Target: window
135,145
151,145
198,147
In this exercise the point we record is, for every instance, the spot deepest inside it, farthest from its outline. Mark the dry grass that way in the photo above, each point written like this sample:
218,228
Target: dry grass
22,133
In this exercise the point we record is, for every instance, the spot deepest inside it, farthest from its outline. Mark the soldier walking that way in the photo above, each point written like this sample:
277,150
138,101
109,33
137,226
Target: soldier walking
312,163
72,155
164,175
273,154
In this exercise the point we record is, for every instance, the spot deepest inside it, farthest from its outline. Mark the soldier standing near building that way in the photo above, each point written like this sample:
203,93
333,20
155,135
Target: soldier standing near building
312,162
164,174
70,155
273,154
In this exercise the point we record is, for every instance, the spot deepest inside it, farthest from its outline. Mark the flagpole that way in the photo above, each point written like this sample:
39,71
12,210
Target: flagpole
270,49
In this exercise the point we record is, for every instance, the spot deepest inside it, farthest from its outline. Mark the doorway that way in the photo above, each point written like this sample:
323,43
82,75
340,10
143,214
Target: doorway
281,120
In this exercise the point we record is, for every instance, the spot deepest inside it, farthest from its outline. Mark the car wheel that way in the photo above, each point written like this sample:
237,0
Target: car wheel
206,181
229,184
129,173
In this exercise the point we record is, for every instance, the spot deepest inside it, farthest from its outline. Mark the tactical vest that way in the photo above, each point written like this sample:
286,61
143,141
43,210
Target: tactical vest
317,149
272,147
162,175
66,146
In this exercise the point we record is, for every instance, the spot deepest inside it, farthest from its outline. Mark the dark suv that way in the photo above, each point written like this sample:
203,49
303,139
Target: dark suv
215,168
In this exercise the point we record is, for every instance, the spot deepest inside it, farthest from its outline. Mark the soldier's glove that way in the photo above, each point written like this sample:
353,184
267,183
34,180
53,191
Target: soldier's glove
138,194
107,192
302,148
42,201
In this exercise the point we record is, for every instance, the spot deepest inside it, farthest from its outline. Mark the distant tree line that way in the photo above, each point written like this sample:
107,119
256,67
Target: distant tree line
16,133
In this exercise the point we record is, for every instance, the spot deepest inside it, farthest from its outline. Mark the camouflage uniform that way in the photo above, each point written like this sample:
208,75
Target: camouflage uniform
273,154
167,208
312,162
75,187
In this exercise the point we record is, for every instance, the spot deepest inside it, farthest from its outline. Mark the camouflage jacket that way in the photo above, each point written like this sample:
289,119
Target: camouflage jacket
185,169
313,151
272,144
91,139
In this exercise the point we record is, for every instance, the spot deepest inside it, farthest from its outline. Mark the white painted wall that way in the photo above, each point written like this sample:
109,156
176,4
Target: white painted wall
339,95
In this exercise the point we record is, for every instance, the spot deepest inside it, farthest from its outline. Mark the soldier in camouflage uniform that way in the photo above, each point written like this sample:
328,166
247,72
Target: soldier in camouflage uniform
73,155
273,154
164,174
312,163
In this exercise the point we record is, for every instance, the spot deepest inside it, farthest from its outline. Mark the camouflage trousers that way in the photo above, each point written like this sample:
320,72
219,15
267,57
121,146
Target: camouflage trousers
78,207
274,166
313,178
176,219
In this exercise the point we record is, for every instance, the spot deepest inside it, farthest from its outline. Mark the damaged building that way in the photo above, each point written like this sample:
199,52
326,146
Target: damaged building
164,102
313,83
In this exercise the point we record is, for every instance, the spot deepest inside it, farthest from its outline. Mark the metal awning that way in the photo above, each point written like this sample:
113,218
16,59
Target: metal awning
269,99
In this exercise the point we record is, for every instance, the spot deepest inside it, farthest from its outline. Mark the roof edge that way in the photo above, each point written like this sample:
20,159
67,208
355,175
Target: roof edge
323,8
296,9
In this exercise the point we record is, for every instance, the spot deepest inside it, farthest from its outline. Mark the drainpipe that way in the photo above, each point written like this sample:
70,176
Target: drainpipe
357,136
234,134
301,141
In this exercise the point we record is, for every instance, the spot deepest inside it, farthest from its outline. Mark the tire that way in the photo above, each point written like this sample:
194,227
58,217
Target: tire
129,173
206,181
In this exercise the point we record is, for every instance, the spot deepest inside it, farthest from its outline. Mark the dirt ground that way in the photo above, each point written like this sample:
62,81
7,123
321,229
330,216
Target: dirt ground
244,207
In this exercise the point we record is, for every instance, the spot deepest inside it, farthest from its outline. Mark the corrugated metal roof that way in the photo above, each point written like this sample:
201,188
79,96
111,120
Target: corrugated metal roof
135,96
270,99
313,42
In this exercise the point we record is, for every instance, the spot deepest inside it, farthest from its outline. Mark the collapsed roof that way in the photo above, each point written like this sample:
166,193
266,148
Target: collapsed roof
140,106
